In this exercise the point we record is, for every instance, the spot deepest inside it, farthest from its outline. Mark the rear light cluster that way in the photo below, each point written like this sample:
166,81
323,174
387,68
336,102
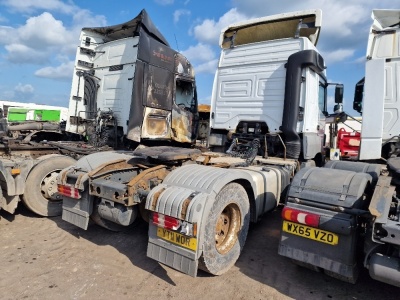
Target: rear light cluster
68,191
301,217
171,223
166,222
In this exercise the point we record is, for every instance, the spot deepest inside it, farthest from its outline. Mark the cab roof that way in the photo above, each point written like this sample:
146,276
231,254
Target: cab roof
385,18
129,29
306,23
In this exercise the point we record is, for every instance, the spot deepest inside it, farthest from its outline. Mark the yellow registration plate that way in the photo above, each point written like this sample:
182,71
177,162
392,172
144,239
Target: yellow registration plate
311,233
177,238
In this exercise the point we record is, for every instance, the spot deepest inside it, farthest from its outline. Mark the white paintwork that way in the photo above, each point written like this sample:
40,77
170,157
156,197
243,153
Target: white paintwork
63,110
115,88
381,103
373,106
249,85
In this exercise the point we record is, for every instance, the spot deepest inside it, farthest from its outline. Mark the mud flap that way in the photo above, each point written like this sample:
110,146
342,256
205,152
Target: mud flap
78,212
8,203
171,255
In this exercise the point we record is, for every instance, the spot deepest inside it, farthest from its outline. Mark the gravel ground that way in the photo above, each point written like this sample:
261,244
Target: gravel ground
47,258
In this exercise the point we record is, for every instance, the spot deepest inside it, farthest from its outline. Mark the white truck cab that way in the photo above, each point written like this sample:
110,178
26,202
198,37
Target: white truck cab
271,81
380,93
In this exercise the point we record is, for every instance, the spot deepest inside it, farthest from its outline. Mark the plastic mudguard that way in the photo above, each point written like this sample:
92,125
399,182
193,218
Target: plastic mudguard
338,197
78,211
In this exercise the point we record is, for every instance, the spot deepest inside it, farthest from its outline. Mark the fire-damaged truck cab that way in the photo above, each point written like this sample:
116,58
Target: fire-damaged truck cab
141,88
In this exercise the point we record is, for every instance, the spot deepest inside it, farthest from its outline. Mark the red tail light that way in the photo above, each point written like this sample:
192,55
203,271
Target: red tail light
68,191
301,217
166,222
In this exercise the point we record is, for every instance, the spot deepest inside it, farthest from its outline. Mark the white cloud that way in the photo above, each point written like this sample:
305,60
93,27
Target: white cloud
165,2
36,34
22,54
34,43
179,13
63,71
199,53
207,67
338,55
8,35
209,30
25,89
360,60
30,6
85,18
203,57
23,92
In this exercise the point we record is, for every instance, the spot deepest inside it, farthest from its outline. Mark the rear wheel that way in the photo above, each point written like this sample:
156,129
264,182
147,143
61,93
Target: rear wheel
226,230
40,194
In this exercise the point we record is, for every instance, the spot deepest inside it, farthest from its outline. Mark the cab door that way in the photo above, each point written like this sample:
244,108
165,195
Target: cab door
185,115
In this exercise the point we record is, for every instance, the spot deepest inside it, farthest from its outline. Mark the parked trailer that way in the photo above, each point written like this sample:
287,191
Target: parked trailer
128,87
200,204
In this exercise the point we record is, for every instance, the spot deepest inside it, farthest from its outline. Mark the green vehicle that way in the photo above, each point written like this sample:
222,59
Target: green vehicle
21,114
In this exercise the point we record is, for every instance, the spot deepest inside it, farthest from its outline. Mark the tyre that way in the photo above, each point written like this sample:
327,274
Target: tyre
226,230
40,194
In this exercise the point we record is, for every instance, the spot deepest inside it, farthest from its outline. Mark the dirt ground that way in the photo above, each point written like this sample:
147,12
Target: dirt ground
47,258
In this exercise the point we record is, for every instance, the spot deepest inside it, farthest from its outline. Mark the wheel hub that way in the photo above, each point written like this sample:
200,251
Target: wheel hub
48,187
227,228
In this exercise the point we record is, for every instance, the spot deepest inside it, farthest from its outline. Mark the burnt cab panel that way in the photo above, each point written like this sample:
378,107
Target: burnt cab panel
164,96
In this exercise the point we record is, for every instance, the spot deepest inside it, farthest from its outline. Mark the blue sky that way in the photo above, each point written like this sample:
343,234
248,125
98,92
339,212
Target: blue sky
38,38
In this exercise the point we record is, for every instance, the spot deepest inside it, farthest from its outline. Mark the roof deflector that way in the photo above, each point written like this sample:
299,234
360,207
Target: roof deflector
385,18
130,28
306,23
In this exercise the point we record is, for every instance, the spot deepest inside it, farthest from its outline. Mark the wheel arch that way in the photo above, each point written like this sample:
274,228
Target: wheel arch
15,184
252,199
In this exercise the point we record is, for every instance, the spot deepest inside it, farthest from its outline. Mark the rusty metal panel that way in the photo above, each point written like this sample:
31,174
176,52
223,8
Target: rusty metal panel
182,125
184,112
381,199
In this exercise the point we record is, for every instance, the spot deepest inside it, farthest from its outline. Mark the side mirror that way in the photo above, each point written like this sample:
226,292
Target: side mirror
358,96
339,93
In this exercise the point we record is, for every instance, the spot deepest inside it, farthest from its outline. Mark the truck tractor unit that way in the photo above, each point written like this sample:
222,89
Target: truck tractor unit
128,87
346,215
267,112
130,72
141,89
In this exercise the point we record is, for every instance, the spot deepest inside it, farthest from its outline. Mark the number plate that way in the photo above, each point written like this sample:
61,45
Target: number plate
311,233
177,238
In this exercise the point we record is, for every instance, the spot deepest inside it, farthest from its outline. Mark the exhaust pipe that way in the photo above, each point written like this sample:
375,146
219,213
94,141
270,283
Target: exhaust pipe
294,67
34,126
